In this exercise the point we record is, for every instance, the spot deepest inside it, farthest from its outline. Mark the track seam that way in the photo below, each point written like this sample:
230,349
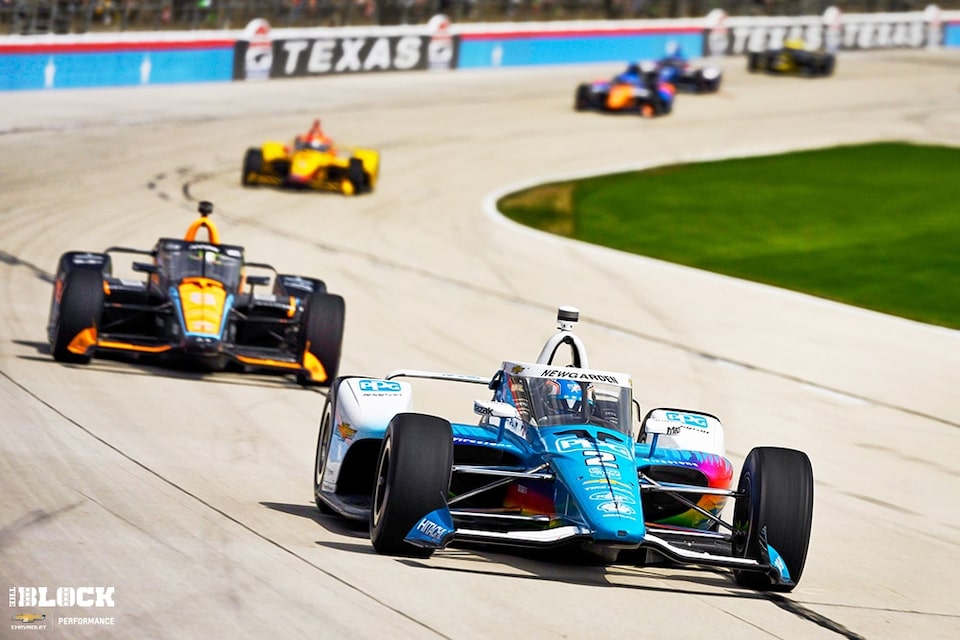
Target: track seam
217,510
517,300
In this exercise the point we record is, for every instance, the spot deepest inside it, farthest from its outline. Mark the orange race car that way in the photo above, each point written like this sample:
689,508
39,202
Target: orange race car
312,161
196,300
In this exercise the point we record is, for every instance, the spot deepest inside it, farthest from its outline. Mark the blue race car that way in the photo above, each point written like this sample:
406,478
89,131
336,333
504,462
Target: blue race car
638,89
555,459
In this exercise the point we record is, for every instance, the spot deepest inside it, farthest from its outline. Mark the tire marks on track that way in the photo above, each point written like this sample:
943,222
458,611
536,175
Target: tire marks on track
220,512
393,265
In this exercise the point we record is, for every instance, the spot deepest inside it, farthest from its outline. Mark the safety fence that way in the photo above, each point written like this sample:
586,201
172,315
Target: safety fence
85,16
261,52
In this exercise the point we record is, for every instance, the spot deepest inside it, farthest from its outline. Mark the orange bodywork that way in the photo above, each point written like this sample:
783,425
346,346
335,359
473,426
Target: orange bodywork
313,366
212,233
202,301
82,342
126,346
620,96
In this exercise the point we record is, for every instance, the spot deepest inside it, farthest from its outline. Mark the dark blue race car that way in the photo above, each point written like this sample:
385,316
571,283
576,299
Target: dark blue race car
677,70
639,89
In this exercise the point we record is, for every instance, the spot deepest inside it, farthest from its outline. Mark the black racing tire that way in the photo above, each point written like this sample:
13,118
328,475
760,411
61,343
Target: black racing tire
413,477
358,176
323,450
777,488
319,286
321,333
252,163
80,308
581,100
753,62
829,63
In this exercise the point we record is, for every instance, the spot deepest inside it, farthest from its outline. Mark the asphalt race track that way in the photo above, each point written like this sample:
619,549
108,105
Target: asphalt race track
190,494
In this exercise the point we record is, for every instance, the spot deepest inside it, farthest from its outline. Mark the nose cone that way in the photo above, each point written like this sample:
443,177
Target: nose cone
204,306
202,345
304,166
598,469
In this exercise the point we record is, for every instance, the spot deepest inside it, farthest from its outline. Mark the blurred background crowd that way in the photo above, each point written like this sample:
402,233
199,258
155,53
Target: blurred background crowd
82,16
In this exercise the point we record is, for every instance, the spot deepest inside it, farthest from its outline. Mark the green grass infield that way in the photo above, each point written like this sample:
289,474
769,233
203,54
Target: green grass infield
876,226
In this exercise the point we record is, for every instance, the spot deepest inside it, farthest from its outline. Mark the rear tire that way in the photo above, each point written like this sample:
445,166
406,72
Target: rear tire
581,100
413,477
322,334
252,163
81,305
778,495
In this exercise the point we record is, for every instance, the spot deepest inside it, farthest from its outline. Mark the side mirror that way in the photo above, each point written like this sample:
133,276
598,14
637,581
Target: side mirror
494,409
657,427
258,281
145,267
660,427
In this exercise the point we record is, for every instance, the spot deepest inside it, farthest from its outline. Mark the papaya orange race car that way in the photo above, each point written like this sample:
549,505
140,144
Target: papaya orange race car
312,161
196,300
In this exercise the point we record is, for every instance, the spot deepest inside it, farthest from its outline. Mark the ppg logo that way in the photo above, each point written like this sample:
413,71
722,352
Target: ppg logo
687,419
379,386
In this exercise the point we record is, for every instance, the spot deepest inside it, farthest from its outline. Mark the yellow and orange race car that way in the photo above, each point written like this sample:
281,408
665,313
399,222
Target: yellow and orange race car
312,161
196,300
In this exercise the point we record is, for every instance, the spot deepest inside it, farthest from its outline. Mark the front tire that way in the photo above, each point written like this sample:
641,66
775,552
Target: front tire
323,450
79,310
778,496
413,477
358,176
322,336
252,164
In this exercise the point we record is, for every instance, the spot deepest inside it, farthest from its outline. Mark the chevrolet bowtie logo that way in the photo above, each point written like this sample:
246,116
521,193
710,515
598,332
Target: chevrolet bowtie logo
28,618
346,431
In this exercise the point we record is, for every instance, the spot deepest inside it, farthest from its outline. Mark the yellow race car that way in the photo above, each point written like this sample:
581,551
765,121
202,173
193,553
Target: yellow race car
792,59
312,161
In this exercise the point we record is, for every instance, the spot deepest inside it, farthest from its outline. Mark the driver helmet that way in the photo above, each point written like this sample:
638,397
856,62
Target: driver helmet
200,256
565,397
316,138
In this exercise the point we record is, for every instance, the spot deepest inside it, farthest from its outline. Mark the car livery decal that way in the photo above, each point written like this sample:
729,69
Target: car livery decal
593,461
432,530
369,385
345,432
687,419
